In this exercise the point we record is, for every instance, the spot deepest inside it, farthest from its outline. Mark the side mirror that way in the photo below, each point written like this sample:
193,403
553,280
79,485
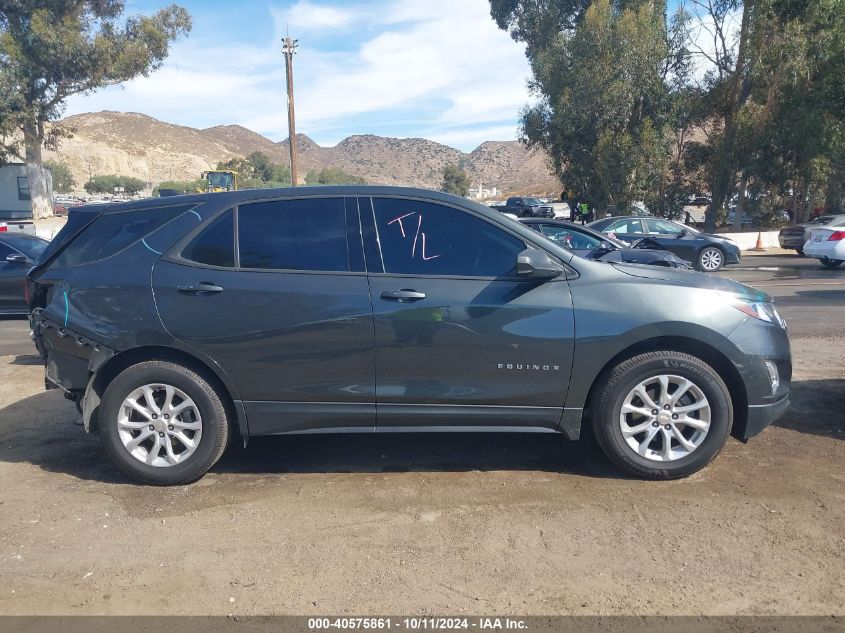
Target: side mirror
17,258
537,264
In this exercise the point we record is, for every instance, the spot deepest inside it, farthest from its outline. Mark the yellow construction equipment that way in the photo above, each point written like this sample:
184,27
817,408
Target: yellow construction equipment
219,180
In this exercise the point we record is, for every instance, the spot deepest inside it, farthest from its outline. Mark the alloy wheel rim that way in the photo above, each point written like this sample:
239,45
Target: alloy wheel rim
665,418
711,259
159,425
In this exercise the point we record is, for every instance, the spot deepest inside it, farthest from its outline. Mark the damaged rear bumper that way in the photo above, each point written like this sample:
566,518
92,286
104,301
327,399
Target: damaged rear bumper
71,361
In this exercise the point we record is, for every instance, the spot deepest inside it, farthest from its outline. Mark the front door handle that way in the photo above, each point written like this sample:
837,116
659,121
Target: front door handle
200,288
402,296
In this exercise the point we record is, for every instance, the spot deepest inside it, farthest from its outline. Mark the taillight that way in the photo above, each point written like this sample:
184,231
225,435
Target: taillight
834,237
3,228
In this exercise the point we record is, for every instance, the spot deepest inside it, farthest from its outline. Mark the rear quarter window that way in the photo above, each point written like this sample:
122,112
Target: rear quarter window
112,232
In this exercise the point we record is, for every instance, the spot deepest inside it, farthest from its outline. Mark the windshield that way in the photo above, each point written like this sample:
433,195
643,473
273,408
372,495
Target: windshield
220,179
32,247
532,201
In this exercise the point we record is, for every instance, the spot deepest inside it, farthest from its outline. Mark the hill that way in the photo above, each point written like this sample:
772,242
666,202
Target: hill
129,143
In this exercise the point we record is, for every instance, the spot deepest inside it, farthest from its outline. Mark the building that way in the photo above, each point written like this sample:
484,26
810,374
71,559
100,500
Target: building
15,202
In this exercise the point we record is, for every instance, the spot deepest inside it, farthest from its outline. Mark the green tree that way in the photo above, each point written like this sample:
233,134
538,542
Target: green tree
455,180
257,171
332,176
604,76
52,50
107,184
63,181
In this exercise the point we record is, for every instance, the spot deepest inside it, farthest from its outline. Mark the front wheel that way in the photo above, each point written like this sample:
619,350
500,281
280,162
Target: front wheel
162,423
830,263
710,259
662,415
799,252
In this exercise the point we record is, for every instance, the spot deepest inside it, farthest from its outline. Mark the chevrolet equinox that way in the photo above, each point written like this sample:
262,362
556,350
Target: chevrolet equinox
176,324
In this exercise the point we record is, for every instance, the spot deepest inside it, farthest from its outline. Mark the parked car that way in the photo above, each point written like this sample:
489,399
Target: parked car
594,245
176,324
528,208
561,210
794,237
827,244
18,251
707,253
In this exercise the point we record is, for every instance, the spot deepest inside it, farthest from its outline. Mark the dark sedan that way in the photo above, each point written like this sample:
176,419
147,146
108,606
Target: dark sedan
18,251
591,244
707,253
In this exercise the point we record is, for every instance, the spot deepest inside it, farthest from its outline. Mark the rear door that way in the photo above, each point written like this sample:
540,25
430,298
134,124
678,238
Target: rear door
460,340
275,293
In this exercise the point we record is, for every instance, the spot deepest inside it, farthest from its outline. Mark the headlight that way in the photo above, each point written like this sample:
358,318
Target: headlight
759,310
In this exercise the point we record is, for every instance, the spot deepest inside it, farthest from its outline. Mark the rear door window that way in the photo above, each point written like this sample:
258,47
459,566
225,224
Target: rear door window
215,244
112,232
299,234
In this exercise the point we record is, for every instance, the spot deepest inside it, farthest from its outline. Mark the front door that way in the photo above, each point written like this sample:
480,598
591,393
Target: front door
275,293
460,340
11,282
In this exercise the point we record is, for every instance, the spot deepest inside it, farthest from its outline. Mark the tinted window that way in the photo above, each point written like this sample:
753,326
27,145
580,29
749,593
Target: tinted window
625,226
30,246
424,238
662,227
4,252
306,234
569,238
77,220
215,244
112,232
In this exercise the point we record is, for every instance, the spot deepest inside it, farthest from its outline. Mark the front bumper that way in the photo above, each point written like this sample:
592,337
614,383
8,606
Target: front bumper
762,415
761,344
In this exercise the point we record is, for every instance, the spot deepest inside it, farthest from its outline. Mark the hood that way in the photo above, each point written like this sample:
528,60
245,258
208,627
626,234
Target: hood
693,279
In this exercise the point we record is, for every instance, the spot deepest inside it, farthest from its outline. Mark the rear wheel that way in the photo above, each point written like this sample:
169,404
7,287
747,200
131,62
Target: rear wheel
830,263
162,423
662,415
710,259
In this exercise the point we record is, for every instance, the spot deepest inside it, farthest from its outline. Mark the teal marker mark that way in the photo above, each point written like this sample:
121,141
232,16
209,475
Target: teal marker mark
199,217
67,308
144,241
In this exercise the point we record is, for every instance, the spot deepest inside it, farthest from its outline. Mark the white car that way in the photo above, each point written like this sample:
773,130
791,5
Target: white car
827,244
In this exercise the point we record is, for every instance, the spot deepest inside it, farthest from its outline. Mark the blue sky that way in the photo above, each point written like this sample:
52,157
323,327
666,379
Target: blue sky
437,69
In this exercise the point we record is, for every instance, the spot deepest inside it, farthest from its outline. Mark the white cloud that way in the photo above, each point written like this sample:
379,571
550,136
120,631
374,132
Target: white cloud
307,16
435,68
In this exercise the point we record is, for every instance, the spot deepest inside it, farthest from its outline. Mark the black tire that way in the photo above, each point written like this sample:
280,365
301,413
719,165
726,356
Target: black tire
699,261
215,422
800,252
830,263
609,397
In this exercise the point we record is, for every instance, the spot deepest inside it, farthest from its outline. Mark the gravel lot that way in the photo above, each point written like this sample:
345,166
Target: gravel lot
437,524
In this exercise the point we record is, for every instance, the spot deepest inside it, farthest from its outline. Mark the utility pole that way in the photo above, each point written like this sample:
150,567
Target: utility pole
288,49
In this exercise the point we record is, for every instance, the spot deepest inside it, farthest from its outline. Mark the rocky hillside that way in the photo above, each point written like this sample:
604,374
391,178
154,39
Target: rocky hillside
127,143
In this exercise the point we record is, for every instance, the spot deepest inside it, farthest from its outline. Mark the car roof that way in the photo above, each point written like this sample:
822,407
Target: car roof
246,195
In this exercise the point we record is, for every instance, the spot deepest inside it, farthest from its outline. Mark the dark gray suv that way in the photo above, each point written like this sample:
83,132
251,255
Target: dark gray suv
178,323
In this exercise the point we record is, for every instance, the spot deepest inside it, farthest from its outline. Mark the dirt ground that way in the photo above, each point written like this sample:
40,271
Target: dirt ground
445,524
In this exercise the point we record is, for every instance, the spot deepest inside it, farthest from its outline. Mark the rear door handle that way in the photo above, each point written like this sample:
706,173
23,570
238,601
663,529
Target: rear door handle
200,288
402,296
